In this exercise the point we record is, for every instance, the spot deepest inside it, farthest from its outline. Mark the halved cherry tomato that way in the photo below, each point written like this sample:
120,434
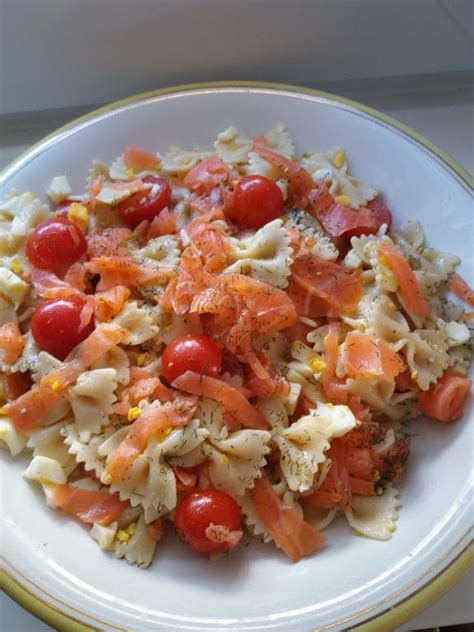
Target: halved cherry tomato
198,511
55,242
193,352
382,213
257,201
56,326
146,205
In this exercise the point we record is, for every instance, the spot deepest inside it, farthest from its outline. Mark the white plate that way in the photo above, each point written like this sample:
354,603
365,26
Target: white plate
353,579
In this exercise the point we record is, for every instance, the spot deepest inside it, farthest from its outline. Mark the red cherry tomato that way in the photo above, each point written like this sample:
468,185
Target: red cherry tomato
381,213
55,242
56,326
197,511
146,205
257,201
193,352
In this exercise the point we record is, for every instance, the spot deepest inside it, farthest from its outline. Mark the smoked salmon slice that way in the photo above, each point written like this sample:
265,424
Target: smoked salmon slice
48,285
76,276
444,399
124,271
162,224
88,505
108,243
141,389
231,399
34,405
363,355
210,239
458,286
139,160
334,387
339,220
293,535
410,290
300,180
109,303
11,342
149,423
243,307
206,175
322,288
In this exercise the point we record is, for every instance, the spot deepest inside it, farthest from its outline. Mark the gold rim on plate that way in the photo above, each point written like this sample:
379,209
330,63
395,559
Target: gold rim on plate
407,608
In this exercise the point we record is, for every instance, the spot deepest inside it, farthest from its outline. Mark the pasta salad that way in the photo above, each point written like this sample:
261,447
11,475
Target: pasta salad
223,339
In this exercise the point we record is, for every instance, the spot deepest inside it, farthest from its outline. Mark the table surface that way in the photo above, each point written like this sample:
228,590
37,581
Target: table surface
444,114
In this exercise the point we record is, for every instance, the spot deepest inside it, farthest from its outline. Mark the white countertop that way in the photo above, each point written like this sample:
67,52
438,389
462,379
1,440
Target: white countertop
444,114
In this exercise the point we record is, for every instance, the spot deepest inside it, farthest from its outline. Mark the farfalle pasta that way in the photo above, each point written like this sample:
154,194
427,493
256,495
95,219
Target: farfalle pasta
237,331
265,256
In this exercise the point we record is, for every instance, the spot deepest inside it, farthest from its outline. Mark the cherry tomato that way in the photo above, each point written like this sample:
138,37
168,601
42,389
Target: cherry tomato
193,352
199,510
257,201
56,326
55,242
146,205
381,213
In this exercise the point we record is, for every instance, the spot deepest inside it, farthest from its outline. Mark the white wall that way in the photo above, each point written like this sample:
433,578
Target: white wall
59,53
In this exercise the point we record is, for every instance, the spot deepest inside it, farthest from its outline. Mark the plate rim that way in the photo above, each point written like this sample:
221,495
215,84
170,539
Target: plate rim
442,155
403,612
407,608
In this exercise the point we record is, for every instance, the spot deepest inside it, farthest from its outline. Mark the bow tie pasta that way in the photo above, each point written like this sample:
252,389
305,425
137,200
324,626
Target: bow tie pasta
227,339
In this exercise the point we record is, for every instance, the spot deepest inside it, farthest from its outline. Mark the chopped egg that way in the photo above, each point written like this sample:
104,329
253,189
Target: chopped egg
122,536
317,364
339,417
339,159
42,469
343,199
163,433
12,288
132,527
134,413
105,536
457,333
56,386
79,215
110,196
15,266
10,438
59,189
48,490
